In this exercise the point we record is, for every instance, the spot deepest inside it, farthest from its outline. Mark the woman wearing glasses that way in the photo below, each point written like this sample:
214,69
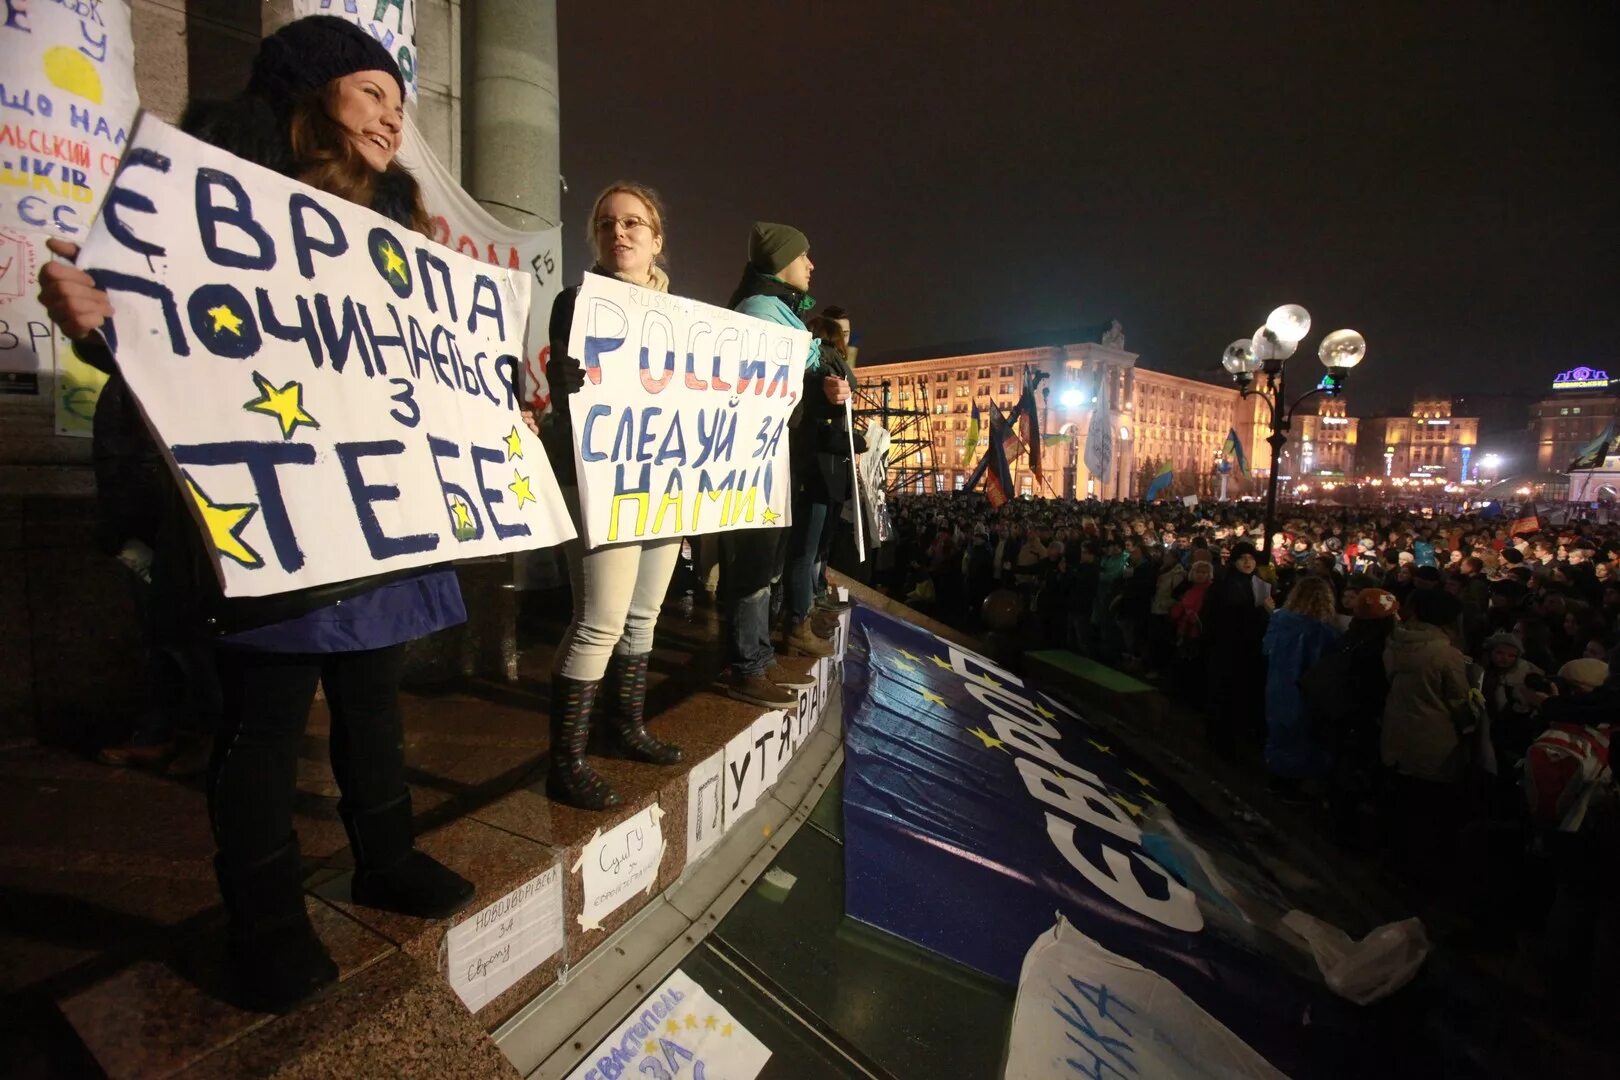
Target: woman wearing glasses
618,589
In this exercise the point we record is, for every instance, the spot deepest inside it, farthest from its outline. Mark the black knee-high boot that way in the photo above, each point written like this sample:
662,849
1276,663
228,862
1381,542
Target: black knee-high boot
570,780
389,873
625,734
276,959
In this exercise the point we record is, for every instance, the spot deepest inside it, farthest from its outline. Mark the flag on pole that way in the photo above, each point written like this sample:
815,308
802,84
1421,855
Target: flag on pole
1232,450
1594,453
1030,423
1527,523
998,477
1161,481
1056,440
972,434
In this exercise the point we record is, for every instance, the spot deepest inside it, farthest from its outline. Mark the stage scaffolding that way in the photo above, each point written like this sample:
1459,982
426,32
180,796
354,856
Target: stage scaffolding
911,436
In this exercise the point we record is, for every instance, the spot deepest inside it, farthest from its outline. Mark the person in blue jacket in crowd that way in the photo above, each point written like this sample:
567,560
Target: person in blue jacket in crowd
1296,638
323,105
775,286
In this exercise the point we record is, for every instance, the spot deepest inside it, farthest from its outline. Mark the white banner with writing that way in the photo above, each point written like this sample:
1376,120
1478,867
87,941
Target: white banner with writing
486,954
1085,1011
705,806
67,100
616,865
460,223
338,395
679,1030
681,427
391,22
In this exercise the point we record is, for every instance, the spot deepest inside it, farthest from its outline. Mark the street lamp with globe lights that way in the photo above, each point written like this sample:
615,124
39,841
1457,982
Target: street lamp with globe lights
1265,353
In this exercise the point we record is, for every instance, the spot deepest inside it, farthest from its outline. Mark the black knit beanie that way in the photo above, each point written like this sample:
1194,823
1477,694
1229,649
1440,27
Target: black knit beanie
308,53
771,246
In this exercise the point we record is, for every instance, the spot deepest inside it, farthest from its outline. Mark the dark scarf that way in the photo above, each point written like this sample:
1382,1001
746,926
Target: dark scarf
755,282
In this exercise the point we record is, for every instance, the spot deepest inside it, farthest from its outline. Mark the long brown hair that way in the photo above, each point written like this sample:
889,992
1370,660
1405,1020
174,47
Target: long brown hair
326,158
1313,598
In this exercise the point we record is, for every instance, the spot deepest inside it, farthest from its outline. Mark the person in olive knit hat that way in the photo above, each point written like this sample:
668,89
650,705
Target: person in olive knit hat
775,287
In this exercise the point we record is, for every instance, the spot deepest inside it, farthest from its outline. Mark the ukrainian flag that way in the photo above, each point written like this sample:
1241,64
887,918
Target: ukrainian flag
972,435
1232,450
1159,484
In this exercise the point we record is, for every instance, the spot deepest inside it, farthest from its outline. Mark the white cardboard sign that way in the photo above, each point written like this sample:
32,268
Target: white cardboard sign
338,396
620,863
680,1030
705,806
681,426
486,954
744,779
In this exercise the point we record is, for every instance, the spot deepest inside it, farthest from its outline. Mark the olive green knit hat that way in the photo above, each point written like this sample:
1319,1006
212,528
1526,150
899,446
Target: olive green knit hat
771,246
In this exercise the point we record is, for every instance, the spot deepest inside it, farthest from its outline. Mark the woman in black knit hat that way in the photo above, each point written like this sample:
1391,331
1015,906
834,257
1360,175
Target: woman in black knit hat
323,105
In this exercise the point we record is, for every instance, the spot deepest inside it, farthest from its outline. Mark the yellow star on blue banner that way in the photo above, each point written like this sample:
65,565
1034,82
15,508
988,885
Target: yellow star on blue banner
225,522
285,403
929,695
989,740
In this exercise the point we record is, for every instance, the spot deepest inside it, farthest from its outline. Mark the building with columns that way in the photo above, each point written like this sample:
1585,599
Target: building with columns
1153,416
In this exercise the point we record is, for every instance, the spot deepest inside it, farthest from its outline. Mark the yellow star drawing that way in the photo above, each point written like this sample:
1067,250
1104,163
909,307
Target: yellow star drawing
691,1021
1132,808
520,487
929,695
673,1028
709,1022
226,319
650,1047
1151,799
1101,749
903,666
985,678
989,740
1044,711
463,518
1138,777
395,264
514,445
771,516
285,403
725,1032
225,522
913,657
941,662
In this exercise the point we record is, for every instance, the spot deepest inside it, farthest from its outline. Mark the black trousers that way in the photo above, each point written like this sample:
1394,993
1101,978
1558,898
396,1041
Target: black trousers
253,772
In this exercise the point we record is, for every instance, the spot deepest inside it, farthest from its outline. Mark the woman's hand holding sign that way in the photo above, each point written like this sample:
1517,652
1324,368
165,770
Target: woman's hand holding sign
70,295
837,390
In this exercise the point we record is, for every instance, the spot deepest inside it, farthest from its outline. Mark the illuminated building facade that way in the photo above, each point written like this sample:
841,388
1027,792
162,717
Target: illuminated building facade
1431,443
1583,402
1153,416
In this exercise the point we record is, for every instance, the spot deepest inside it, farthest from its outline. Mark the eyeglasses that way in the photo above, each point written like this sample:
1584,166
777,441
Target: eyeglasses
630,223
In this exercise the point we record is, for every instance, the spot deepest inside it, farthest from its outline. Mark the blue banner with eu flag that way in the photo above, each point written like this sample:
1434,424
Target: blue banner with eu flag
976,807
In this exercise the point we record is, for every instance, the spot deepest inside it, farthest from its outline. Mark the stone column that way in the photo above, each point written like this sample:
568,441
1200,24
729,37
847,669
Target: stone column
513,155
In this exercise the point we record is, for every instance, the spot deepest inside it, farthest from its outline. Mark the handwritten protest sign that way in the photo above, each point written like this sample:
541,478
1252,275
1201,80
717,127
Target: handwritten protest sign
337,394
67,99
681,427
486,954
679,1030
463,225
616,865
391,22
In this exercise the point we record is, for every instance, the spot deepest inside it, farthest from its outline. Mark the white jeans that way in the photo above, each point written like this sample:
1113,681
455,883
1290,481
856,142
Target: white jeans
618,591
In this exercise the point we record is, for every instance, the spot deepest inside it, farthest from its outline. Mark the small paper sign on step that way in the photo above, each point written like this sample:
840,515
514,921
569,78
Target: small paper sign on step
486,954
705,806
680,1030
617,864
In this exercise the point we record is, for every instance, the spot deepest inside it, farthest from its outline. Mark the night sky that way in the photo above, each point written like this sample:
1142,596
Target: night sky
1445,180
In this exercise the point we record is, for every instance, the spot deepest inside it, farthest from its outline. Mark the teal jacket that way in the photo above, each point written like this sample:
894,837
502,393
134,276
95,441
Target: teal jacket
772,309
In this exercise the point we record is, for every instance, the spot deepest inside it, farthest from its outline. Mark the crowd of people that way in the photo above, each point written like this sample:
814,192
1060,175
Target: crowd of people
1423,676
